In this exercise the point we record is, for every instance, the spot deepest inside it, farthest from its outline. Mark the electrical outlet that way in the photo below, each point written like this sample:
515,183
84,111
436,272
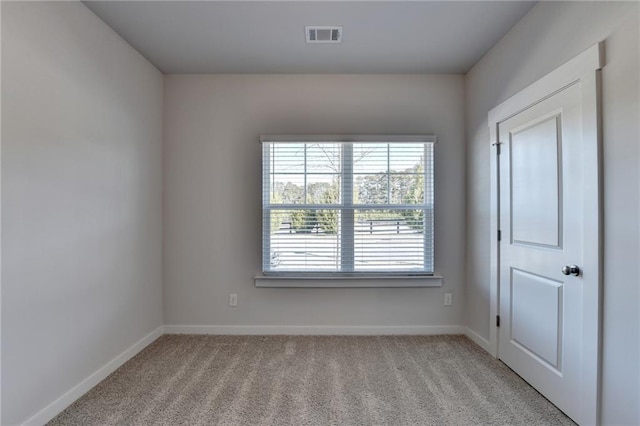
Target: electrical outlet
233,300
448,299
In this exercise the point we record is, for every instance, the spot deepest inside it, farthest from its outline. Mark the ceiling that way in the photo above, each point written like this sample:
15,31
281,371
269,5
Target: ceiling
268,36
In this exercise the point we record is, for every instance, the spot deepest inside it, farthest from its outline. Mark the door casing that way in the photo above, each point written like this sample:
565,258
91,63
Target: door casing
586,69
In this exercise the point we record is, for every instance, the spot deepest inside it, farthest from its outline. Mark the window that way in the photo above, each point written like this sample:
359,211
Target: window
348,205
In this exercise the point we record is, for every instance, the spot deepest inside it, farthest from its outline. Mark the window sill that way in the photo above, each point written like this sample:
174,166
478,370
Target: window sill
348,281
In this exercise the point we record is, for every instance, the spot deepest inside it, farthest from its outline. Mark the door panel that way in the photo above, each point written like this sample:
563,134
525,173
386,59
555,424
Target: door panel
535,183
536,305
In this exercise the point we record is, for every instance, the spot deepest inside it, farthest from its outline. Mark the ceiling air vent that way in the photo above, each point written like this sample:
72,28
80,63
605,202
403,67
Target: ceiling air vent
323,34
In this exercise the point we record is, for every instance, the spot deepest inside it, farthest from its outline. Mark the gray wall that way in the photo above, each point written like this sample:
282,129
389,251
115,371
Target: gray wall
82,185
81,200
212,184
549,35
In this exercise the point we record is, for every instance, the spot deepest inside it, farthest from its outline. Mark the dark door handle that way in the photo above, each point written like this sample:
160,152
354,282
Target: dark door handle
571,270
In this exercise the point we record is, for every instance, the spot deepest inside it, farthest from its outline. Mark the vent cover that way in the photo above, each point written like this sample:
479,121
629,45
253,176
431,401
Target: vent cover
318,34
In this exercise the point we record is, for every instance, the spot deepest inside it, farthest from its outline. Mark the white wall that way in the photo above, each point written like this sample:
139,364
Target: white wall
549,35
81,200
212,183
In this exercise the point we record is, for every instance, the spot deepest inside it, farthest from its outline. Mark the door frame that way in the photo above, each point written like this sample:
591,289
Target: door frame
584,68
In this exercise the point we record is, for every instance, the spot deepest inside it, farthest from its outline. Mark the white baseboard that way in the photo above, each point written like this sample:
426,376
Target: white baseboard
69,397
477,339
312,330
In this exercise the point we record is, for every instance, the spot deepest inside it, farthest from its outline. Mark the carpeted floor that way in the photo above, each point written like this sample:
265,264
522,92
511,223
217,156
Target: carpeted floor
312,380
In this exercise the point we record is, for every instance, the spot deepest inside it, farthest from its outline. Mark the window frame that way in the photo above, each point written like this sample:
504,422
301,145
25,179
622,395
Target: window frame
347,176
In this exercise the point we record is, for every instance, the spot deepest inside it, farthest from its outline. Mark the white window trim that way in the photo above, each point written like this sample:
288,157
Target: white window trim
348,279
401,138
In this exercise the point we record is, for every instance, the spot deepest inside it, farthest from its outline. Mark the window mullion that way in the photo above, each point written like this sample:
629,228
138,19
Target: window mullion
427,215
347,217
388,173
305,201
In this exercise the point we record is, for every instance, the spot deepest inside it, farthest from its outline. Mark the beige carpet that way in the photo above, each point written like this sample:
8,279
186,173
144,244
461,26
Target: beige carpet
282,380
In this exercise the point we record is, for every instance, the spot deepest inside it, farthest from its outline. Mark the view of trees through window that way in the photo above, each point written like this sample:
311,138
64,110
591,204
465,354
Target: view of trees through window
328,199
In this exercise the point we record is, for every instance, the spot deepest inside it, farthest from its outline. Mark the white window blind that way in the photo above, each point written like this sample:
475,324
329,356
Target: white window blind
348,205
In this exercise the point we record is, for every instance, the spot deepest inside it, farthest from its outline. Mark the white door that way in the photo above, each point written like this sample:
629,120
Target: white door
545,275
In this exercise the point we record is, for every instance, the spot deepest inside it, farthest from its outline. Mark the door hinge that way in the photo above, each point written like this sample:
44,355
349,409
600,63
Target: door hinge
497,320
497,145
499,235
